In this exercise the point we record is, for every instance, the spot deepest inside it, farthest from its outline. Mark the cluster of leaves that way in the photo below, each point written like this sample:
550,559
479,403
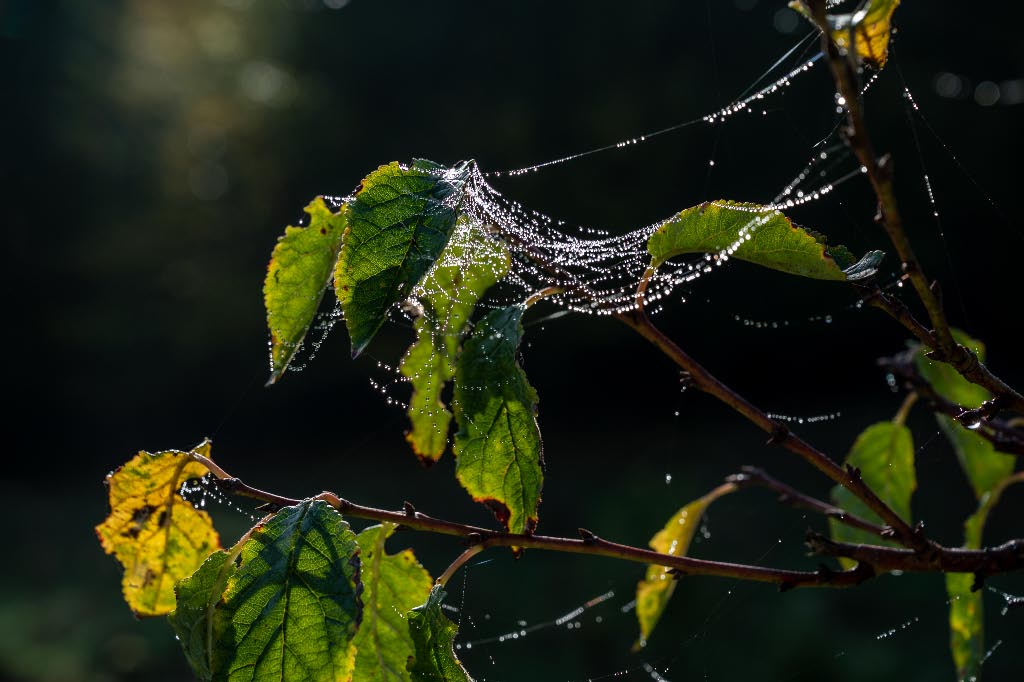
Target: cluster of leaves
402,237
301,596
408,237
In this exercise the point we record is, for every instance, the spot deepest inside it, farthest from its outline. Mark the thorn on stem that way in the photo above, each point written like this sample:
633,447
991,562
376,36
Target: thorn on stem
588,537
409,510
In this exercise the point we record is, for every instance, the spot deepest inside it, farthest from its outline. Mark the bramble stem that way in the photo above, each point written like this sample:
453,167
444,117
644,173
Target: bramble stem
872,560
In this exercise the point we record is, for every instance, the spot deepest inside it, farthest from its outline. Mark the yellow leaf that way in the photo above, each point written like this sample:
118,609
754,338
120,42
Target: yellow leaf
157,535
867,30
654,591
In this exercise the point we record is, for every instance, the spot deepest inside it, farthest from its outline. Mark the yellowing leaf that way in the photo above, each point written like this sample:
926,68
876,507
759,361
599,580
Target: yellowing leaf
866,30
966,612
393,584
654,591
759,235
157,535
966,625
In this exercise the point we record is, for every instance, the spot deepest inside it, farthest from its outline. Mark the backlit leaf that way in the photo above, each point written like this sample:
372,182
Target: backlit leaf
156,534
300,270
966,611
654,591
984,465
868,29
398,224
433,634
468,267
498,445
759,235
966,625
289,611
884,453
393,584
192,619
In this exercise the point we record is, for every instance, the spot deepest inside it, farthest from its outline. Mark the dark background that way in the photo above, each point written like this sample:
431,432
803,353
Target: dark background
153,151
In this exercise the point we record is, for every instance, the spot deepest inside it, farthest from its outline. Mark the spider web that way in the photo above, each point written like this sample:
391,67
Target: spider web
595,270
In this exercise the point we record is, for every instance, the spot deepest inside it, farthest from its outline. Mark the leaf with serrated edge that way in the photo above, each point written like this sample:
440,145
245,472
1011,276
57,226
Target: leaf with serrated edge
433,634
298,274
753,233
654,591
192,619
499,455
156,534
983,464
884,453
868,29
392,585
470,265
398,225
291,609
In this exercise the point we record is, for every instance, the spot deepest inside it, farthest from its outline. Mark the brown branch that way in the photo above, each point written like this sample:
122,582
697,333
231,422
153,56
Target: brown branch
780,434
872,560
880,174
1003,435
1004,558
971,368
752,476
588,543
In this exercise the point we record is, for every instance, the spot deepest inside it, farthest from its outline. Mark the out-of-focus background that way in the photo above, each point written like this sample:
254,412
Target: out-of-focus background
153,151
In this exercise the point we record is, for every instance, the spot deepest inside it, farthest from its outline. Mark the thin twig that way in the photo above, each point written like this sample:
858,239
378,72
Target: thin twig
1003,435
751,476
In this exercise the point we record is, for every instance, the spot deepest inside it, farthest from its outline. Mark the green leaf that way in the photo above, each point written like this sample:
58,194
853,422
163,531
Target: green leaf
868,29
192,620
966,613
433,634
288,612
398,224
966,625
392,585
470,265
654,591
757,234
984,465
157,535
884,453
299,272
498,446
